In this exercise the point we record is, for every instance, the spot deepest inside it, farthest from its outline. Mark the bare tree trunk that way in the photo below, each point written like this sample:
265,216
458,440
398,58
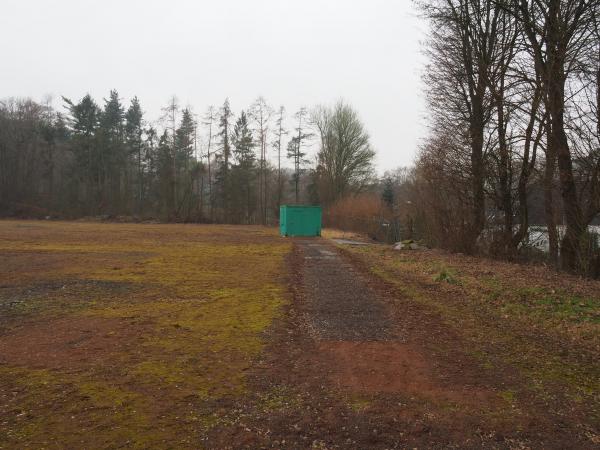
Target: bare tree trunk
528,165
210,117
570,247
505,176
557,31
280,133
549,170
478,174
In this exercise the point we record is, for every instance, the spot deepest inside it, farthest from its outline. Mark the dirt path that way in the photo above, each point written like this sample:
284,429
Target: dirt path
352,365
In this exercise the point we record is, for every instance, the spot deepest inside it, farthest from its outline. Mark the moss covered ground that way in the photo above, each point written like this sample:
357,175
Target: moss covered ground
122,335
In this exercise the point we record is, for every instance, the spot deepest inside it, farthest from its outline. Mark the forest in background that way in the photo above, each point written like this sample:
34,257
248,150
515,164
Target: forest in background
92,159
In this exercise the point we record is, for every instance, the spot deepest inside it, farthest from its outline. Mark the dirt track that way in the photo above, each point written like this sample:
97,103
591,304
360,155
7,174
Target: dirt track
361,368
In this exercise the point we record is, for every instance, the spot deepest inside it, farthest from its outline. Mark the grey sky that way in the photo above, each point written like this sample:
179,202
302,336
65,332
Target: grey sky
294,53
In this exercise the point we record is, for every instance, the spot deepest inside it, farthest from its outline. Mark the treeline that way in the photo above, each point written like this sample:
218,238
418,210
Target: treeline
92,159
514,118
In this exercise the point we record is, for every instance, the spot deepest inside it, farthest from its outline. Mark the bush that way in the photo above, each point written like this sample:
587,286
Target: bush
363,213
446,275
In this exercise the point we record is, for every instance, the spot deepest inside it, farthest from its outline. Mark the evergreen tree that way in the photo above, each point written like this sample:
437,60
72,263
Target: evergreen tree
186,169
152,192
245,158
83,122
113,155
164,168
184,140
135,144
243,142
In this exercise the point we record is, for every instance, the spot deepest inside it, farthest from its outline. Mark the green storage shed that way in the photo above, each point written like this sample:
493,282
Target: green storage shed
297,220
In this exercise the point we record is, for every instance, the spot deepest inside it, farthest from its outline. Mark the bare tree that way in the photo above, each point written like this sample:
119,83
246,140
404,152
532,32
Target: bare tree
295,150
280,132
261,113
464,40
559,34
208,121
345,155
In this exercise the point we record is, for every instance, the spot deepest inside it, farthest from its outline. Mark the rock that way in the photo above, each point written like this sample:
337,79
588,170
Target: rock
408,245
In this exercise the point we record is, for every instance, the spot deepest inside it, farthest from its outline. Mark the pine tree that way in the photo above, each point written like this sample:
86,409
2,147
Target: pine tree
83,123
184,139
133,137
150,157
243,143
113,155
164,168
184,151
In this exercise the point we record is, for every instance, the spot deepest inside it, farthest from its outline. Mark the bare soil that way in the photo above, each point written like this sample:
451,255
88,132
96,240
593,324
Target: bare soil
68,343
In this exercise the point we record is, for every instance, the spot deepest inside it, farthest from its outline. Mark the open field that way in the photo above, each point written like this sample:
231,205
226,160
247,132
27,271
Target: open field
183,336
126,334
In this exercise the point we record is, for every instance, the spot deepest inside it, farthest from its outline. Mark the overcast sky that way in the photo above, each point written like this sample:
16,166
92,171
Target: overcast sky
294,53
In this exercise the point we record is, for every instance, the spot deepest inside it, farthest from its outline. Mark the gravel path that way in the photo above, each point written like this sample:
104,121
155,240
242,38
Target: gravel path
339,303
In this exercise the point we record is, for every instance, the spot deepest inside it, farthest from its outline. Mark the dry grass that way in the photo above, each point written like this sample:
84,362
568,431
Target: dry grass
116,334
333,233
544,325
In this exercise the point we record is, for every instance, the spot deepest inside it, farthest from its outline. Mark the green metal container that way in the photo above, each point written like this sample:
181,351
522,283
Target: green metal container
298,220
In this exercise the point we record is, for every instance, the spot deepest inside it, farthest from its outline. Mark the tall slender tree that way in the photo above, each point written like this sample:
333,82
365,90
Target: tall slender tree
169,118
133,136
280,132
261,113
209,119
296,151
224,157
83,121
185,165
243,143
